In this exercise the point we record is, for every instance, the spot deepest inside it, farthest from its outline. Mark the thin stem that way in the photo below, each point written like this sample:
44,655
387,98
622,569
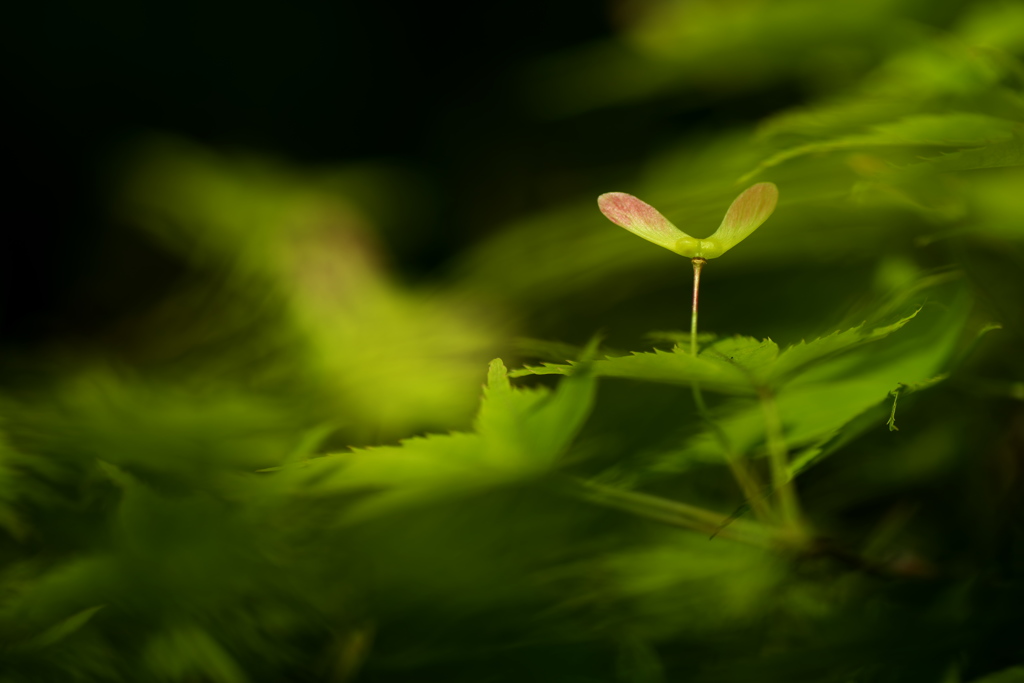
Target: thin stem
748,483
895,393
675,513
698,265
782,483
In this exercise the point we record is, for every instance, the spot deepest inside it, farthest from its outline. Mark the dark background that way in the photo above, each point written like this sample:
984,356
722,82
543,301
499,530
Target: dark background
320,83
438,92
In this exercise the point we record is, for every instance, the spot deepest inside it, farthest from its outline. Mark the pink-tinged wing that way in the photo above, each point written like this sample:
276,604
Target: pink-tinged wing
639,218
748,211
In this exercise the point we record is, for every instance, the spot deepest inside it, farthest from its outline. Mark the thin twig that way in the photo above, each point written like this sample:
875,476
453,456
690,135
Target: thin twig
675,513
782,482
698,265
748,482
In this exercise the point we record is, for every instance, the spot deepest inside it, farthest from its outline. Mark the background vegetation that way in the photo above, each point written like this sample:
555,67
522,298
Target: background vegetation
262,259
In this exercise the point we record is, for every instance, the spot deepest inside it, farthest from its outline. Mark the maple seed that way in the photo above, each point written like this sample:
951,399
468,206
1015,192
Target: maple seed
745,214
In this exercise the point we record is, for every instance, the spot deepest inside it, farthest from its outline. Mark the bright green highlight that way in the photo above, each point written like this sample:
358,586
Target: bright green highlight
819,387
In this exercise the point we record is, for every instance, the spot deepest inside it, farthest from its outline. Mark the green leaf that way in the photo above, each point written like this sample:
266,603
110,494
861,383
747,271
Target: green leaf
415,471
65,628
999,154
679,337
717,585
752,356
734,365
674,367
189,652
955,129
519,433
809,414
638,661
803,354
531,427
814,411
809,455
817,400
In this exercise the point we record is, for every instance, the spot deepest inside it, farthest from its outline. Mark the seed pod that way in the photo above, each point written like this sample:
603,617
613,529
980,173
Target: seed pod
747,212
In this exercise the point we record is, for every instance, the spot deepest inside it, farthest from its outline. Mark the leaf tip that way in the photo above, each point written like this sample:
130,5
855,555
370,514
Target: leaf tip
497,376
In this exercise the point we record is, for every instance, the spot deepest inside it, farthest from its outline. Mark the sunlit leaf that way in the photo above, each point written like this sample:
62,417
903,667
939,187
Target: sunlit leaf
831,391
675,367
733,365
519,433
753,357
805,353
717,585
531,427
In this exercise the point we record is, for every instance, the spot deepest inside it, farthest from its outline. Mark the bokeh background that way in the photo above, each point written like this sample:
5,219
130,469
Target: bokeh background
241,236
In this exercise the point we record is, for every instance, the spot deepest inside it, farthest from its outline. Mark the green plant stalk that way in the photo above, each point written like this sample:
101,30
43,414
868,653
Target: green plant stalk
748,483
895,393
782,483
677,514
698,266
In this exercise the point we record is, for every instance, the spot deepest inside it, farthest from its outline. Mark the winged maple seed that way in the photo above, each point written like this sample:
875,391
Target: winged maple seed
747,212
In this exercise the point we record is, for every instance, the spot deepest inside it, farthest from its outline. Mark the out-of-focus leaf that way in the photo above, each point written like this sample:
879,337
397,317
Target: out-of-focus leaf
380,359
716,584
9,490
158,431
65,628
704,46
417,470
188,652
1009,152
638,661
519,433
533,426
994,25
1014,674
924,130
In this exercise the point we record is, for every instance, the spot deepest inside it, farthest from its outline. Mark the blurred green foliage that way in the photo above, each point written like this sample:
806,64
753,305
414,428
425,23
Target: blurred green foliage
255,480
